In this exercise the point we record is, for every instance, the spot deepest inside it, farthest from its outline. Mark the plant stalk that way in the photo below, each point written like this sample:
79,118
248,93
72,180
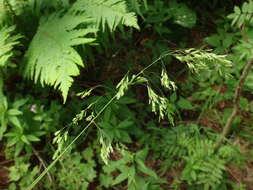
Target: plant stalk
236,103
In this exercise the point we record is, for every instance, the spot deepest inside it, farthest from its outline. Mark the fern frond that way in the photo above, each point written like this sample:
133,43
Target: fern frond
7,42
51,58
107,12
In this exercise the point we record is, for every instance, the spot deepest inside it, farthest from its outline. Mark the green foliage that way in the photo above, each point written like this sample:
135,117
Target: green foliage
224,39
203,167
20,173
157,14
2,11
57,34
184,104
74,173
243,15
149,112
128,167
117,131
27,122
56,37
182,14
109,13
7,42
229,38
11,115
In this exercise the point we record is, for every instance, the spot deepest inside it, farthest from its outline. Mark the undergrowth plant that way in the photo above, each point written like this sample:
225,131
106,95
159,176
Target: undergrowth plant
123,119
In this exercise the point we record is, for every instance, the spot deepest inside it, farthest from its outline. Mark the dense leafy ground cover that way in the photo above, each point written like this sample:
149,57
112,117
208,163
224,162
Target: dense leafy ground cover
126,94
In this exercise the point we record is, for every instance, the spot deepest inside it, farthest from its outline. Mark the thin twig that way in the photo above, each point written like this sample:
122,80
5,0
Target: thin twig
43,164
236,102
6,162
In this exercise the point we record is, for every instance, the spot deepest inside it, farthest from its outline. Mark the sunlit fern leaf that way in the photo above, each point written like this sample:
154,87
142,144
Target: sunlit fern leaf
107,12
7,42
51,58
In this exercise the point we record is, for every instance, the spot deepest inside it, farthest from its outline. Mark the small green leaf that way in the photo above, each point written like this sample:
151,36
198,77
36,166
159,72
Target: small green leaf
143,168
14,112
105,124
124,137
18,148
88,154
184,104
19,103
237,10
15,121
12,186
213,40
120,178
10,134
193,175
125,124
12,141
245,7
173,97
142,154
183,15
24,139
32,138
107,114
14,174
